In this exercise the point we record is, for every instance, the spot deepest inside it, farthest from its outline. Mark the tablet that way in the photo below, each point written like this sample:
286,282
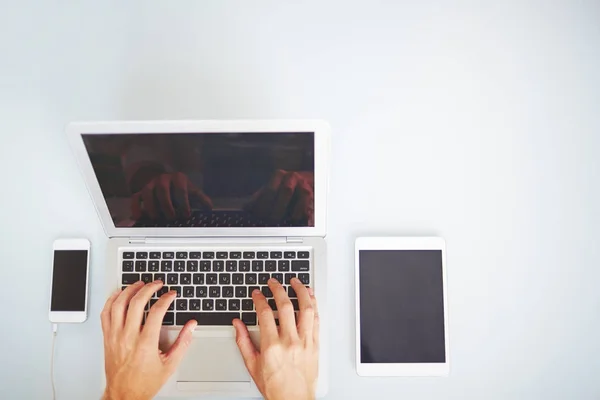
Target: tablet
401,307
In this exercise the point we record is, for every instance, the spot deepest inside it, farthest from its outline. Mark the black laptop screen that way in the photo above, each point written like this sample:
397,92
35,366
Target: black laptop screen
206,179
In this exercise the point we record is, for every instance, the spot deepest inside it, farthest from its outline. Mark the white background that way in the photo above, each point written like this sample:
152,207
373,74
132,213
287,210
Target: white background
476,121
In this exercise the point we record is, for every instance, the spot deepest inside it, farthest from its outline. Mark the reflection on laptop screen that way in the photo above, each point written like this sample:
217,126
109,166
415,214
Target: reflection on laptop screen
206,179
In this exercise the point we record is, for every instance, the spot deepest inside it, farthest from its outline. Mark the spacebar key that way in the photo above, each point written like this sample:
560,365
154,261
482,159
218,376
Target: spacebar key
207,318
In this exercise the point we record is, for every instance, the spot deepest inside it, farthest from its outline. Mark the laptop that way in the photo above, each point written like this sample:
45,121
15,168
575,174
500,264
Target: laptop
214,209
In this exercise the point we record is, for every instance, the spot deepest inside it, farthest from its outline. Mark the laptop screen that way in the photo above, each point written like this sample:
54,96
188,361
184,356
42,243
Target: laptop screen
205,179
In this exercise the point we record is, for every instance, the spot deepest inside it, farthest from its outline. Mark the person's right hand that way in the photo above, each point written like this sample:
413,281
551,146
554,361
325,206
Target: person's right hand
155,197
287,365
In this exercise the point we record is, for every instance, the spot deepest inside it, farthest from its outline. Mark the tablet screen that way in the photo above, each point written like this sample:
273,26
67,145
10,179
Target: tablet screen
401,306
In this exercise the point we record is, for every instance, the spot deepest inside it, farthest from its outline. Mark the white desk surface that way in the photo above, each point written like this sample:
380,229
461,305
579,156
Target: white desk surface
475,122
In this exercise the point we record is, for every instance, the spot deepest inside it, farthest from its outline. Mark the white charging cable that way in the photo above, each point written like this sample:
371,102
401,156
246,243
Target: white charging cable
54,332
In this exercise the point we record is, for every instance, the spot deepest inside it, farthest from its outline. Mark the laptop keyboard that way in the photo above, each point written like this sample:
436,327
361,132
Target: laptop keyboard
210,219
214,287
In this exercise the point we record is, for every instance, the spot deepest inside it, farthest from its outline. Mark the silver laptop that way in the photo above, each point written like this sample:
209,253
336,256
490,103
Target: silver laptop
214,209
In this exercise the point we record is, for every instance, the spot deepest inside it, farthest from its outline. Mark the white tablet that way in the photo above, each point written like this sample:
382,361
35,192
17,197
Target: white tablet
401,307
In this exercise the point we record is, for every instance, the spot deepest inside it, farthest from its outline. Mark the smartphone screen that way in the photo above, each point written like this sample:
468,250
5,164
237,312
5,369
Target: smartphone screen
69,280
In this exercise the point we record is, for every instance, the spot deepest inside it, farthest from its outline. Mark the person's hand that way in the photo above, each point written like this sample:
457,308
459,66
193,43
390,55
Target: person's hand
287,365
135,368
287,195
168,194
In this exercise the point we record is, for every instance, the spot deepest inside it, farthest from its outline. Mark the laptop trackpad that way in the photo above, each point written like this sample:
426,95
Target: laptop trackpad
213,359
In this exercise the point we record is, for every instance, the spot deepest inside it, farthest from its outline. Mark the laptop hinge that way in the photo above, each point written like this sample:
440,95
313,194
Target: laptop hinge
137,240
294,240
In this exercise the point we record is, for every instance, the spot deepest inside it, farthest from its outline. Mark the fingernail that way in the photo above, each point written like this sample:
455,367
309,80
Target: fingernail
296,280
158,281
172,291
138,283
256,291
273,280
193,326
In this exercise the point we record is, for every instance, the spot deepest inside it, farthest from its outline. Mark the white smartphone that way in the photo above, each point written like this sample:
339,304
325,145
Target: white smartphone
70,275
401,307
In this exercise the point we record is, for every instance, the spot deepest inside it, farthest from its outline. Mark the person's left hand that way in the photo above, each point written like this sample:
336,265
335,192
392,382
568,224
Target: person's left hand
135,368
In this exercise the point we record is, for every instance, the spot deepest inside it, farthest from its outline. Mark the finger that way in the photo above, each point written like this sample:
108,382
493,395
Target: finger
181,191
285,308
156,315
266,320
136,208
266,199
179,348
148,199
306,317
204,200
244,343
135,312
284,196
119,307
316,324
305,199
105,314
163,192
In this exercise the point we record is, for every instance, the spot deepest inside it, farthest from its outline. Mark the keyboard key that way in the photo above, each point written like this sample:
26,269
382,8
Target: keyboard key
266,291
172,279
294,303
153,266
177,289
181,304
270,265
141,255
276,254
211,279
214,291
192,266
249,318
205,266
221,305
208,255
208,319
278,276
162,291
224,279
300,266
195,255
241,291
257,266
169,319
218,266
166,266
237,279
201,291
303,254
250,279
262,255
227,291
252,289
304,278
168,255
129,279
182,254
188,291
207,304
185,279
140,266
244,266
155,255
234,305
289,254
263,279
159,277
198,279
272,304
247,305
128,255
194,305
127,266
235,255
171,306
288,278
221,255
283,265
231,266
146,278
179,266
249,255
291,292
123,287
